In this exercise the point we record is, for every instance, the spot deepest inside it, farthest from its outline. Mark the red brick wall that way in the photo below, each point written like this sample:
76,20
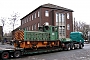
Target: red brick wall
51,19
69,21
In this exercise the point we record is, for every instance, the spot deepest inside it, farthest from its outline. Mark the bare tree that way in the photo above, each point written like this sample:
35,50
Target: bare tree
76,26
3,22
81,27
14,19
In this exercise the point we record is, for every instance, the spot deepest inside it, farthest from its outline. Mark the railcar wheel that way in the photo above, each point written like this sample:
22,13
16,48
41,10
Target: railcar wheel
17,54
5,55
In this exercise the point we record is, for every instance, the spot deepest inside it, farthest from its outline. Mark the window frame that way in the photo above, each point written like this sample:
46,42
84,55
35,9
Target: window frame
32,17
38,14
68,15
35,15
68,26
38,24
47,13
32,28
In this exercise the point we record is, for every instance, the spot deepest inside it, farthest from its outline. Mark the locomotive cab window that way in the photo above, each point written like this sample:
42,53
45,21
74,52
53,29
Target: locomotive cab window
46,28
41,28
54,29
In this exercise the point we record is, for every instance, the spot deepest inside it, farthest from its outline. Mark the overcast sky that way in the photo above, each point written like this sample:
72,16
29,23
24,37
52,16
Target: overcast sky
23,7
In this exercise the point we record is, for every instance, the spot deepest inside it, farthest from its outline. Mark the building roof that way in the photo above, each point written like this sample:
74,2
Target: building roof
52,6
55,7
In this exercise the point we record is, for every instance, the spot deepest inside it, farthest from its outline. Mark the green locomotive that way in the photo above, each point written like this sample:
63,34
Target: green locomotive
47,36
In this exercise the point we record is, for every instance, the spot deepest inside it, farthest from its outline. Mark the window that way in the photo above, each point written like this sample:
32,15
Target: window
63,30
38,13
46,13
29,27
29,18
38,24
60,17
35,27
32,27
68,27
54,29
67,15
25,21
35,15
56,17
63,18
46,27
32,17
60,30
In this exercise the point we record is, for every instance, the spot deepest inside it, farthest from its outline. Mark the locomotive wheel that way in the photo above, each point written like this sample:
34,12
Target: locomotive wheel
5,55
17,54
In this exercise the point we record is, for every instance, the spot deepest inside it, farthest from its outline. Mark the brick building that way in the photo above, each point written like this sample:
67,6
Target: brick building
54,15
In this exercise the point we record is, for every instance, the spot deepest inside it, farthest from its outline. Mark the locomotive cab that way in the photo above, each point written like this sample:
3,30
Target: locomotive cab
52,30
